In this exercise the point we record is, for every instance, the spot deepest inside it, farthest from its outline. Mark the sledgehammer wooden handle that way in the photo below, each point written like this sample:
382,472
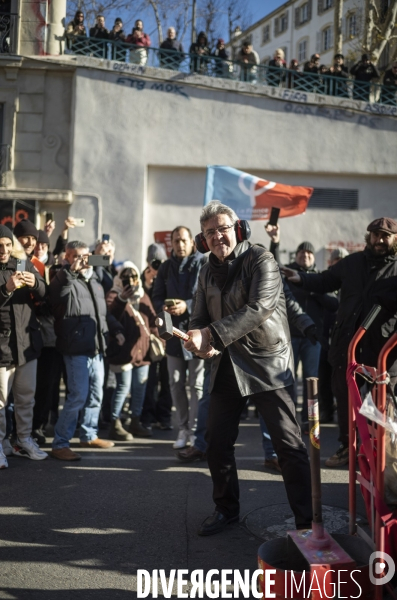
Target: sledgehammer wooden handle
176,332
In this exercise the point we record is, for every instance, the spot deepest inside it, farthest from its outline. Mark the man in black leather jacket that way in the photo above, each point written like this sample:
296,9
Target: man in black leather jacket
240,312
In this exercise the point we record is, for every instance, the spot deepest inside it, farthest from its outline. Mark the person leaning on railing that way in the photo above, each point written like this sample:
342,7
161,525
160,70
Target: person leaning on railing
117,34
221,55
199,47
249,61
100,33
338,86
364,72
275,75
171,51
141,41
312,69
389,88
75,30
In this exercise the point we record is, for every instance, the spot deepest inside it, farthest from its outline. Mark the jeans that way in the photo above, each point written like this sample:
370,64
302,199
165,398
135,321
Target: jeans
85,376
266,440
309,355
278,411
133,381
202,411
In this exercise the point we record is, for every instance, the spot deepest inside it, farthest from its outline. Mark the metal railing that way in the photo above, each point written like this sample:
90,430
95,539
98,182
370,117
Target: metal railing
342,87
8,31
4,163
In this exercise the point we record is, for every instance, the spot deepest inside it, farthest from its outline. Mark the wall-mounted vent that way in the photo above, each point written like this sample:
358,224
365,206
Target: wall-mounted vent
334,199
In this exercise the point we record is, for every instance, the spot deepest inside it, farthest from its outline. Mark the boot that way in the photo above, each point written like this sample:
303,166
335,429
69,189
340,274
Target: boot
136,428
118,433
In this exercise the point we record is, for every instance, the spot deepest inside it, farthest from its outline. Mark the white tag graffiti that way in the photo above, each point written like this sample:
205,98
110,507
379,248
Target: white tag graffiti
252,192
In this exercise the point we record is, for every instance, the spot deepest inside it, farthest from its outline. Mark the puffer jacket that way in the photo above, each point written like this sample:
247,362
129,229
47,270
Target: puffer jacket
80,313
249,318
20,337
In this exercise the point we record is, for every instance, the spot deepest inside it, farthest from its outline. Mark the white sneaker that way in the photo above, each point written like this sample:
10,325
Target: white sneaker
192,439
7,447
181,440
28,449
3,459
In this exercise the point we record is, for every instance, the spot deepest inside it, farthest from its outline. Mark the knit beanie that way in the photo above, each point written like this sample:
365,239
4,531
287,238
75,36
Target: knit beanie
25,227
43,238
306,246
5,232
156,252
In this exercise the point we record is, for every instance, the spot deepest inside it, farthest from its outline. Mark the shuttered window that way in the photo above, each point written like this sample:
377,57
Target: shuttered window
334,199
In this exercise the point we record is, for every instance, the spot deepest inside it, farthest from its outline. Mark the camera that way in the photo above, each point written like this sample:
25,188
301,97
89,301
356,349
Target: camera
155,264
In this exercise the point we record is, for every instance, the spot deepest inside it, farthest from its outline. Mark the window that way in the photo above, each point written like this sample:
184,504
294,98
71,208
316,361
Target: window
324,5
328,4
302,51
281,23
327,39
265,60
334,199
265,34
304,13
352,26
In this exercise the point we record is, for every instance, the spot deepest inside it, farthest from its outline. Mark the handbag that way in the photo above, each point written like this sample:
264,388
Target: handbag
156,346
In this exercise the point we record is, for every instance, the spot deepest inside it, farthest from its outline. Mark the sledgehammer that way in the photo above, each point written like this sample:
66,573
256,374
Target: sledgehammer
167,330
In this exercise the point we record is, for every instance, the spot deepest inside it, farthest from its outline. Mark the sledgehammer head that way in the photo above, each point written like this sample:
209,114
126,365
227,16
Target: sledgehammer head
164,325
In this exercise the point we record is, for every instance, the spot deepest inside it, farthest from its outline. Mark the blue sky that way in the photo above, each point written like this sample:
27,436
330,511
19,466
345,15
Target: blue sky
257,9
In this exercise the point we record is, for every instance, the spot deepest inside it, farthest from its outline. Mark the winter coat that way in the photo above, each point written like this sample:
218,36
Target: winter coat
144,41
363,280
249,318
117,36
99,33
105,276
364,72
178,280
80,313
171,54
135,349
20,337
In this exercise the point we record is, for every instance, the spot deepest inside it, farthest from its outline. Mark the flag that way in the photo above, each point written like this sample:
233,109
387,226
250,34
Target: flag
251,197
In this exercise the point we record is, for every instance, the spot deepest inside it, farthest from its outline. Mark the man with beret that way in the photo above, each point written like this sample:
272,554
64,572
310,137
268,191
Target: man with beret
314,305
364,278
20,345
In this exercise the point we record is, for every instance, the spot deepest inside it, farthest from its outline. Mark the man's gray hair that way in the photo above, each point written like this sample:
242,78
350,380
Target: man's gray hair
215,208
76,245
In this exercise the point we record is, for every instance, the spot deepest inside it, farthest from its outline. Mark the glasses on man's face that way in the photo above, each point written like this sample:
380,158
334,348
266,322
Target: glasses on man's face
222,230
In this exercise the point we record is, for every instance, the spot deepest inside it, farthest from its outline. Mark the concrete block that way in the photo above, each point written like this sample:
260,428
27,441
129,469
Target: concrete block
28,142
32,83
29,123
31,103
27,161
25,179
29,48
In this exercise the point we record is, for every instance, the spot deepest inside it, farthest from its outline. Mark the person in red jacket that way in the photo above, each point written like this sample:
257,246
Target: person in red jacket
142,41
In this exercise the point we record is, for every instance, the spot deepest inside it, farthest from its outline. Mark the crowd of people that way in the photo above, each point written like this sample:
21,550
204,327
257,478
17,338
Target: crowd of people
94,328
311,76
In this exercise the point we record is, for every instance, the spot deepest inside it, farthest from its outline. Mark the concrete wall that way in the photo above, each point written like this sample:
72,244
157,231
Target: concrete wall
144,150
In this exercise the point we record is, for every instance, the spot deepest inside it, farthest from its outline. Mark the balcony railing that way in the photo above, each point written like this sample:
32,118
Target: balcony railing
4,163
215,67
8,31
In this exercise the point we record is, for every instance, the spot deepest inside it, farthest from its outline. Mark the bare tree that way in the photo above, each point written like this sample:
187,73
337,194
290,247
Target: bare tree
210,13
338,35
380,28
165,11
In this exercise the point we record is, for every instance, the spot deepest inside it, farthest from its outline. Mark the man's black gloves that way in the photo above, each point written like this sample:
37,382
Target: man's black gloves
312,334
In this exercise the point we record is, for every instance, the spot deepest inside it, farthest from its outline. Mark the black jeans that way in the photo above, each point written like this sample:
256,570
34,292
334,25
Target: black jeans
49,371
158,403
278,411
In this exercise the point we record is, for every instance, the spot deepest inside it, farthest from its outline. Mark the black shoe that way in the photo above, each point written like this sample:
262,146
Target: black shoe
191,454
215,523
165,426
39,437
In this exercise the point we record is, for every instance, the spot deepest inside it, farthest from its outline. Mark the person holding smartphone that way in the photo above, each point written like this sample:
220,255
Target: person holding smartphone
81,325
174,289
20,346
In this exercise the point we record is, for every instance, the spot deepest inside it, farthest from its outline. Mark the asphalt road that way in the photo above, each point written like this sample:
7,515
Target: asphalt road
79,531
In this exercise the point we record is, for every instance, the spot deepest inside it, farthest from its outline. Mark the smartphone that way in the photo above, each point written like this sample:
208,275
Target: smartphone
79,222
170,302
21,265
49,217
274,216
155,264
98,260
126,282
105,237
